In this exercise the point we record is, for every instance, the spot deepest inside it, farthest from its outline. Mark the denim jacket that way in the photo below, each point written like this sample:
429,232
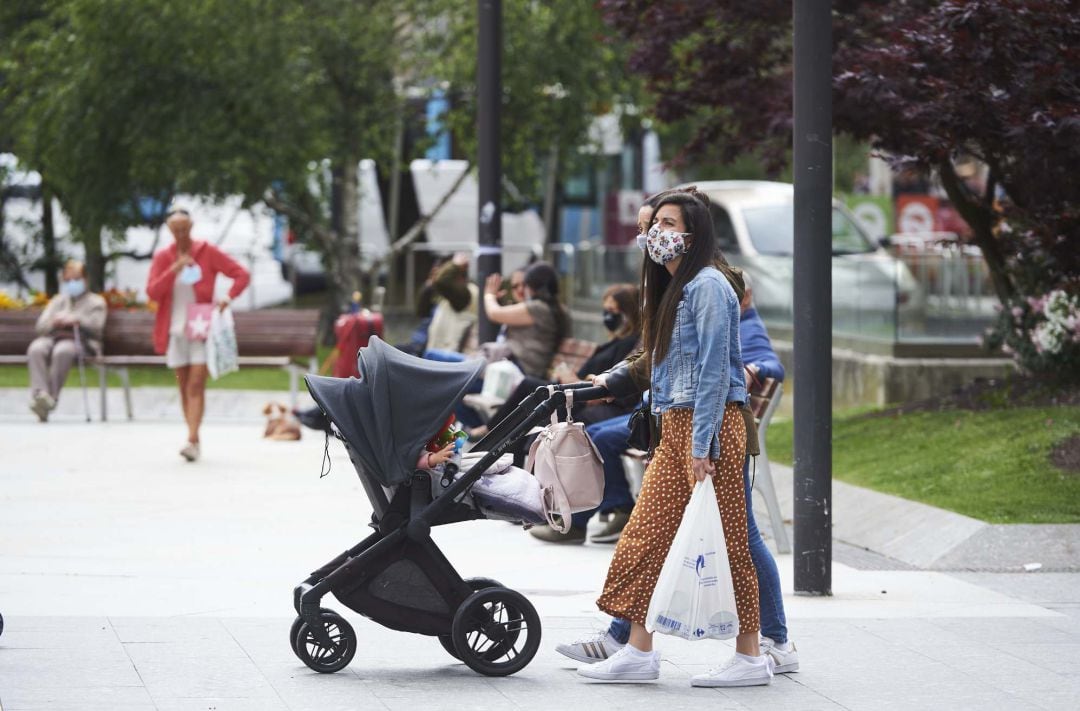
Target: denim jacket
703,366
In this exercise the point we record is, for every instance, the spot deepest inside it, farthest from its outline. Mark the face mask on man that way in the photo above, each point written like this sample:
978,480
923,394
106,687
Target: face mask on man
665,245
612,320
74,287
191,274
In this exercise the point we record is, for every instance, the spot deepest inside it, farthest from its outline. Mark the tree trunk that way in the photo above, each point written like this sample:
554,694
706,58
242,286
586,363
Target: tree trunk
352,240
48,242
551,189
95,259
980,217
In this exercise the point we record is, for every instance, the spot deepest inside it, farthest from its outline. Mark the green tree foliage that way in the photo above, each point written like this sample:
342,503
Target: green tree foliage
114,101
559,72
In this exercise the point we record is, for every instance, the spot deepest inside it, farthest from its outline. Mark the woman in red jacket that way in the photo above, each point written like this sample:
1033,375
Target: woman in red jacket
180,275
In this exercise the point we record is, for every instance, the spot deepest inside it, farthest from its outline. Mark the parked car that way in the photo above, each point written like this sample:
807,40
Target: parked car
755,225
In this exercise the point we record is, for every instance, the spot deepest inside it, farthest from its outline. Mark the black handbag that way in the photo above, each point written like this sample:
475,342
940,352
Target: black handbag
644,429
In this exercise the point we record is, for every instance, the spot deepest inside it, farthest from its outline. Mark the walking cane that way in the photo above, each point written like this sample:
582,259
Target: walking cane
80,357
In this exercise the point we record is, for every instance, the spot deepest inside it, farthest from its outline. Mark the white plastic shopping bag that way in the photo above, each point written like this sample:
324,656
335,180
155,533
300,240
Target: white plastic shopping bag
222,355
694,598
500,379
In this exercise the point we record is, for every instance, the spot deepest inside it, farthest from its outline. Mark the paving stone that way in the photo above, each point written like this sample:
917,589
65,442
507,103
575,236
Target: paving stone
173,590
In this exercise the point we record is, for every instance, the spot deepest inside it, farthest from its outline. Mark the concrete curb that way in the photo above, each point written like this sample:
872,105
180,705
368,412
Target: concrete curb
928,537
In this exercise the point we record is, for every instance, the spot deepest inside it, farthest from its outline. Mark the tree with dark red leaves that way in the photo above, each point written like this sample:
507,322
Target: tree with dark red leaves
927,82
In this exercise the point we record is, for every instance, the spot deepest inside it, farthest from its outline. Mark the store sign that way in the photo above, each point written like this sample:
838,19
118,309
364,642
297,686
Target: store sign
916,213
874,213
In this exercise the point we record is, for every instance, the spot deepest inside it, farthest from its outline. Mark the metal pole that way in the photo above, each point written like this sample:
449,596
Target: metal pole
489,90
395,206
813,296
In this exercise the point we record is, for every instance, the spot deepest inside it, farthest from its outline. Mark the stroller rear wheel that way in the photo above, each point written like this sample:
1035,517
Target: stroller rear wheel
496,631
295,629
318,656
447,641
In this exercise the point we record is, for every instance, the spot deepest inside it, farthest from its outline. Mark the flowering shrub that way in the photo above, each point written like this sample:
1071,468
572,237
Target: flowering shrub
114,298
121,299
1042,334
8,302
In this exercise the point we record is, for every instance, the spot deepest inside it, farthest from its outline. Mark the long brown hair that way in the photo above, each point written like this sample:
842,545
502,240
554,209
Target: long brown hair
661,291
626,298
543,281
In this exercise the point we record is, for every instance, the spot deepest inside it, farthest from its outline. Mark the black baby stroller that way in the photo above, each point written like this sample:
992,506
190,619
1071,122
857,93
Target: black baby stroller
397,576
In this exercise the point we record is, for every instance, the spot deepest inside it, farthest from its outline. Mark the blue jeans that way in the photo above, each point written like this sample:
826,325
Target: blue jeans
465,415
770,598
610,437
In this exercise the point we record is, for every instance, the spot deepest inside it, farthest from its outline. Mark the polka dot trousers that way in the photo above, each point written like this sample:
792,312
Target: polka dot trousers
665,491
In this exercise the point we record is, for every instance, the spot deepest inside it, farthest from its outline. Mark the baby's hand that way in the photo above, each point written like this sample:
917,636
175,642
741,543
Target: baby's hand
443,455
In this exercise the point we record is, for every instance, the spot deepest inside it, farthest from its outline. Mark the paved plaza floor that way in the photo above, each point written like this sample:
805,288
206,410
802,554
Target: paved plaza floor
130,579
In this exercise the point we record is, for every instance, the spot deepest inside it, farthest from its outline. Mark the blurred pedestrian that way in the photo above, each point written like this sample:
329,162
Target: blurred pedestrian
73,319
183,276
456,304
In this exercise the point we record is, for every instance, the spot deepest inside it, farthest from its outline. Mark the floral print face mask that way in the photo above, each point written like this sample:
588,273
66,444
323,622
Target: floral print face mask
663,246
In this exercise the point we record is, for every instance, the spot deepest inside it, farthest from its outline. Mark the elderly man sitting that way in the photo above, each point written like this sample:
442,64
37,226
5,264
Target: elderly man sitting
73,318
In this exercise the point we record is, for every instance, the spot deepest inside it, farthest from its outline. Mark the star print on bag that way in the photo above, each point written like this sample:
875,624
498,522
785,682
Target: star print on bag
198,321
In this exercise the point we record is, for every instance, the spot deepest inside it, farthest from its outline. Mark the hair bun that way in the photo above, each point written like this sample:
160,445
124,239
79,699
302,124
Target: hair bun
694,192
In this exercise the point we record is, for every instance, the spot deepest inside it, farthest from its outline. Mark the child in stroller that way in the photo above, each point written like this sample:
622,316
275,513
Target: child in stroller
397,576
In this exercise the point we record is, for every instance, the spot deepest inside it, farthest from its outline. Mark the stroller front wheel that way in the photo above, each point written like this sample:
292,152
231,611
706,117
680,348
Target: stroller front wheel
496,631
294,630
327,659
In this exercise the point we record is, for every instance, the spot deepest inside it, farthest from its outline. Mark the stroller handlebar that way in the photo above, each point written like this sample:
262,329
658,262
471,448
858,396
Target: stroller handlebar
585,391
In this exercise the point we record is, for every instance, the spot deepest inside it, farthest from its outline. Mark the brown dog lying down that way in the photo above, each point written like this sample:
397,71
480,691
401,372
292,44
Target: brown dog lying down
280,424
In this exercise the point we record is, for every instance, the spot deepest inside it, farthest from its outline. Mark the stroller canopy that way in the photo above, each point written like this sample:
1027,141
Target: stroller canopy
394,408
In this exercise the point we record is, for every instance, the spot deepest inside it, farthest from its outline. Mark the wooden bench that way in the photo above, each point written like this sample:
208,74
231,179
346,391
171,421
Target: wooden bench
764,399
269,338
574,353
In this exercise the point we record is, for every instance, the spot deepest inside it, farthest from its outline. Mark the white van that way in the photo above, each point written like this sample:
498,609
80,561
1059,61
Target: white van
755,223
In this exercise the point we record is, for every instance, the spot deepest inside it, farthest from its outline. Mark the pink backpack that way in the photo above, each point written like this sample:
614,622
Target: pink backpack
568,468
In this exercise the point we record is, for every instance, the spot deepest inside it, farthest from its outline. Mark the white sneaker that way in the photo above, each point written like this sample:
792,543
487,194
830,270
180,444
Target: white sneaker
738,671
785,661
591,649
42,404
627,666
190,451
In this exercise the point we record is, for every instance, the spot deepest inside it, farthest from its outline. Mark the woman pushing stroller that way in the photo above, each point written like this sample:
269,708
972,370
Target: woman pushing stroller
691,340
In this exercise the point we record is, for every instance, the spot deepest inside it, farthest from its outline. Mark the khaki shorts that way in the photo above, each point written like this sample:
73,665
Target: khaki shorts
182,352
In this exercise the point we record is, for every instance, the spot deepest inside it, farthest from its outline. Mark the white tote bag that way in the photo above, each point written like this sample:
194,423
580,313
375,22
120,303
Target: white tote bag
500,379
694,598
222,355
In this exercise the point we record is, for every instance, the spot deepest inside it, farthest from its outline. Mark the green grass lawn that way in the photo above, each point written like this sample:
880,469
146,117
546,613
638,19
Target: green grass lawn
16,376
12,376
992,465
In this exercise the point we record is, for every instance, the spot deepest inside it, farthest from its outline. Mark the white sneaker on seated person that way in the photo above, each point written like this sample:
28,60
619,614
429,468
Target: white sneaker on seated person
785,657
591,649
